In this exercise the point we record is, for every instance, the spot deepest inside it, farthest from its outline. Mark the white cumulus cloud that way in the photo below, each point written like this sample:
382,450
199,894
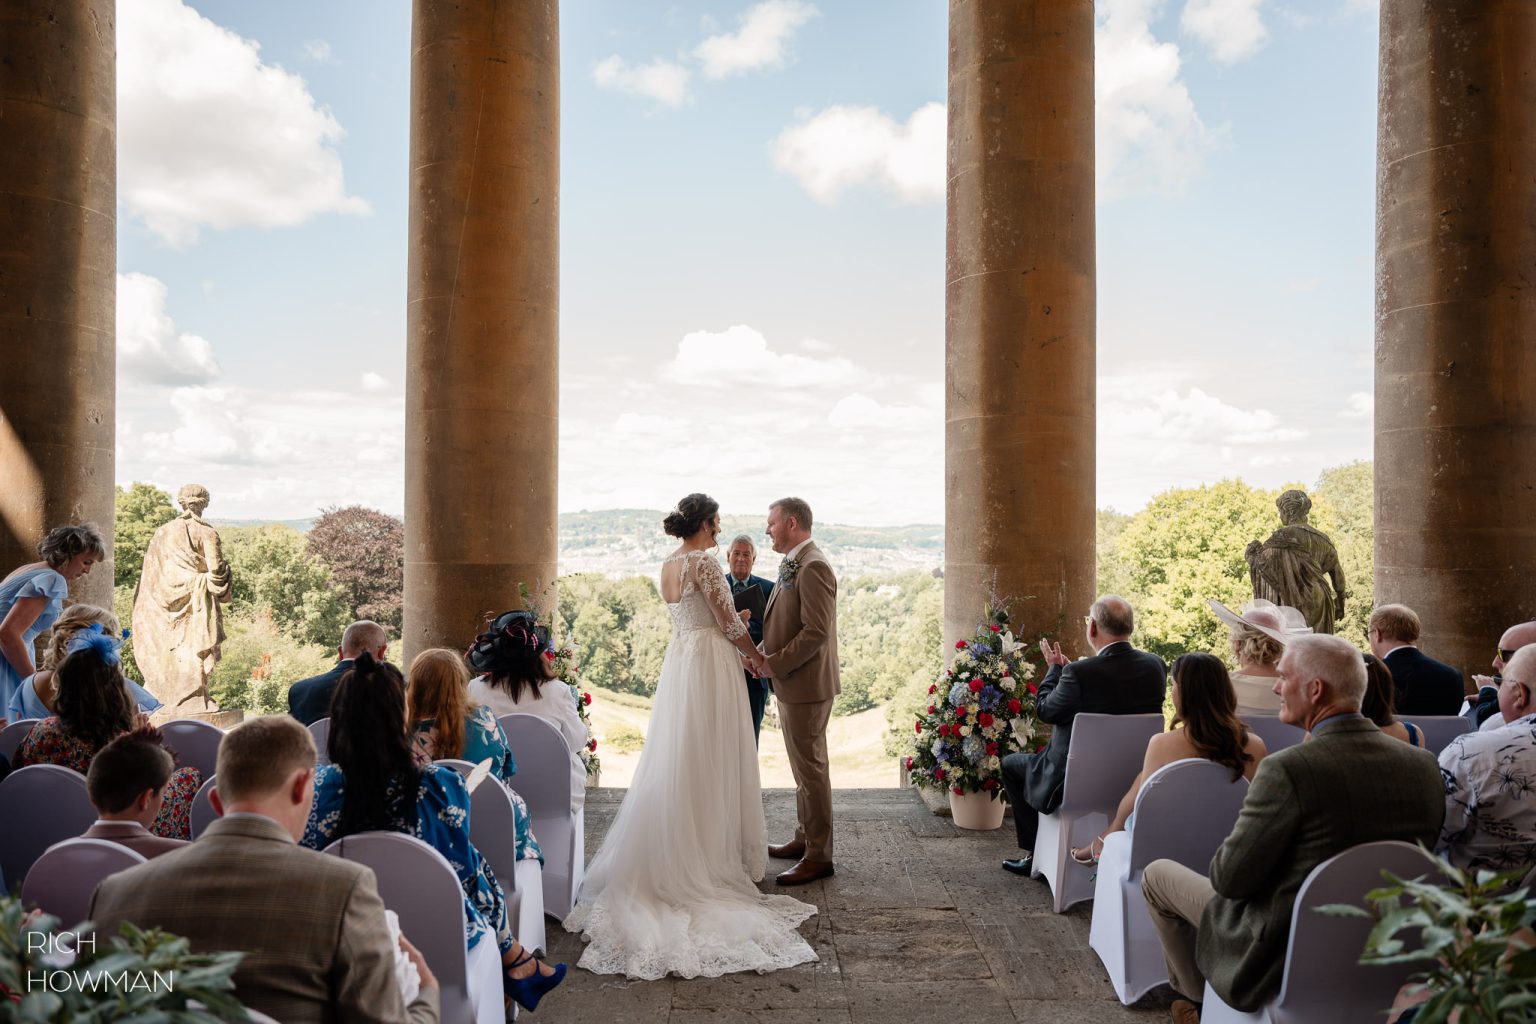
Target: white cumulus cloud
759,42
659,79
741,354
1361,406
150,349
210,136
1230,29
845,147
374,382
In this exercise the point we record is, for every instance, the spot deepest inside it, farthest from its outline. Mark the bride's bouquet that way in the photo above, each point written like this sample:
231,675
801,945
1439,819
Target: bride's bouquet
979,713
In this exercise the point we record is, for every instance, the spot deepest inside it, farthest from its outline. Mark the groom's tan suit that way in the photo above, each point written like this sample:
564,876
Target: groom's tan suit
800,642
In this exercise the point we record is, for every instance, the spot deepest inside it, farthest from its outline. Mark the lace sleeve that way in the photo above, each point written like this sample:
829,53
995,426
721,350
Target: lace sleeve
711,581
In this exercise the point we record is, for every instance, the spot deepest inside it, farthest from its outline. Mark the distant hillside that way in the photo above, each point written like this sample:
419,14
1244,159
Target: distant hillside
629,542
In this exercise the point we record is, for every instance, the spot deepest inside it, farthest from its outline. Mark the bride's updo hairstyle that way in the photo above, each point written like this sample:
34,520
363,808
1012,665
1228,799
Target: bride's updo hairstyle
512,653
690,516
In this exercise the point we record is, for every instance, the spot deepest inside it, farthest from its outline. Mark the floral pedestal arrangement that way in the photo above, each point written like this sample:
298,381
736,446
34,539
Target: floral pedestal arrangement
982,711
563,662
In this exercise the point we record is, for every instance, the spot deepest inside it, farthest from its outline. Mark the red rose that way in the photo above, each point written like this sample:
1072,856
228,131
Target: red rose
989,785
995,628
959,712
909,764
938,774
919,725
976,685
1007,674
586,698
959,645
1039,747
1015,705
934,688
549,655
958,791
992,749
592,745
932,708
1031,687
983,719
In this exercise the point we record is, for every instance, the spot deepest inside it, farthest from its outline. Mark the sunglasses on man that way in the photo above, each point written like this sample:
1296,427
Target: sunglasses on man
1504,655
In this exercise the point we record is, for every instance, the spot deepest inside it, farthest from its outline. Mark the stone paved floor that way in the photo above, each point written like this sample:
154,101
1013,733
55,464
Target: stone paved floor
919,925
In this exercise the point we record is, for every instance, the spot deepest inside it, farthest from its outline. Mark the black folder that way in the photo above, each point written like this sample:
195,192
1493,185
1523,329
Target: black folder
752,597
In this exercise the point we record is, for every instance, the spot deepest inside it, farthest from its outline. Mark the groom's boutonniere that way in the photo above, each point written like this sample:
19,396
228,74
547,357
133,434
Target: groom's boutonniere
787,570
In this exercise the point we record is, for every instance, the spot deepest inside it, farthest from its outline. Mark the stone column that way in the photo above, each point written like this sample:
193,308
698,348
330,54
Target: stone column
1456,320
482,328
58,275
1019,315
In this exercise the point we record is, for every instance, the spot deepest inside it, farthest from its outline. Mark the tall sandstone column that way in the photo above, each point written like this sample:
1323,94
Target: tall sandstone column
58,275
1456,320
482,344
1019,314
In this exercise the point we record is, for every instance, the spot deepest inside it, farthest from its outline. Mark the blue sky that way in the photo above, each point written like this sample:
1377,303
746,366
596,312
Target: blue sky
752,249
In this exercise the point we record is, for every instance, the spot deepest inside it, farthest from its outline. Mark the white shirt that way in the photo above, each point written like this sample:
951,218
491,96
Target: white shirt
552,702
794,552
1490,798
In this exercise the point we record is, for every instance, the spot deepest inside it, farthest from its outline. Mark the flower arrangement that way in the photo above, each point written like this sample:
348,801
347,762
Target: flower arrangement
562,658
982,710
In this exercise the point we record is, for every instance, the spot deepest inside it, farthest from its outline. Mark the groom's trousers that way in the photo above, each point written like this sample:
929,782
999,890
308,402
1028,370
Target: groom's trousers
805,738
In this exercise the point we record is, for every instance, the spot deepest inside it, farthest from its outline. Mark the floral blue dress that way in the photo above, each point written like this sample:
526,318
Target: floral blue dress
483,738
442,822
39,582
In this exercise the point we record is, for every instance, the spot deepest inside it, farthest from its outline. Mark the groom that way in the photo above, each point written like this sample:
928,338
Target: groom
800,644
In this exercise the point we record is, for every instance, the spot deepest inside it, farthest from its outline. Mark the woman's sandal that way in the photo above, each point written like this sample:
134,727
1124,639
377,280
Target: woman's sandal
1087,855
527,992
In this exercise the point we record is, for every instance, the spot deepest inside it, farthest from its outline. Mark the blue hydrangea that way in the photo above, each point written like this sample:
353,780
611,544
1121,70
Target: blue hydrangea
960,693
974,748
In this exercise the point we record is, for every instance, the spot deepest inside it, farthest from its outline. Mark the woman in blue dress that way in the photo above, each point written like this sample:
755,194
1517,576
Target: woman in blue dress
32,597
34,697
369,744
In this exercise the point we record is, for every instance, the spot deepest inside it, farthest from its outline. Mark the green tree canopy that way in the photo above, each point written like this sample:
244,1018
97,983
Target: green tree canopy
272,571
140,510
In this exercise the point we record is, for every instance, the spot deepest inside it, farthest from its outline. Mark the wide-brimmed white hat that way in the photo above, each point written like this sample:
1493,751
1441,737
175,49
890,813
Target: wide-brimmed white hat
1291,622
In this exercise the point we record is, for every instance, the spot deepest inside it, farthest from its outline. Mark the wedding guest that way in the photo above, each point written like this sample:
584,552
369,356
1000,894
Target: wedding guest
1378,703
127,782
1205,725
515,658
1422,685
309,700
1485,707
1490,808
93,708
447,724
742,556
1258,634
32,596
311,927
374,783
34,697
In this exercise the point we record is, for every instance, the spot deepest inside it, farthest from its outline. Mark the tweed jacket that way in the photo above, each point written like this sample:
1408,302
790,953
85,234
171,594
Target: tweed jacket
1350,784
134,836
311,925
800,632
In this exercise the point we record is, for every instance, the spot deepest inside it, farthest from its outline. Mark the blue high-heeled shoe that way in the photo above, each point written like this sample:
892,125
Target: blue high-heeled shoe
527,992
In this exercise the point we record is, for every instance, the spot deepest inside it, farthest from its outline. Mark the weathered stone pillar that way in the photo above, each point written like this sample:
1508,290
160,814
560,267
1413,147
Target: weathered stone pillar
1019,315
1456,319
482,337
58,275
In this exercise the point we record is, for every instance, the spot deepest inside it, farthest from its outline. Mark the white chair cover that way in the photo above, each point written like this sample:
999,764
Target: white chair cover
196,743
320,731
1102,762
1440,730
64,878
12,735
544,781
1325,983
42,804
493,830
1183,813
203,813
1277,735
418,884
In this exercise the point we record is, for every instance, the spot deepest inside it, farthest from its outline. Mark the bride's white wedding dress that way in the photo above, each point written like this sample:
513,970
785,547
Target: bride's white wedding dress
671,888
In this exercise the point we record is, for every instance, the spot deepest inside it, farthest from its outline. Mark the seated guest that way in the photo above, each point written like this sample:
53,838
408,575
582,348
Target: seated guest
34,697
1258,636
1118,680
447,724
311,927
1348,785
1485,709
126,784
1421,685
309,700
515,657
1490,813
1205,725
1377,705
93,708
374,783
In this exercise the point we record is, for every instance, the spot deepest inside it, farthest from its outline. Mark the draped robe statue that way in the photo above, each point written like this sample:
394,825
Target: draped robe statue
177,623
1297,564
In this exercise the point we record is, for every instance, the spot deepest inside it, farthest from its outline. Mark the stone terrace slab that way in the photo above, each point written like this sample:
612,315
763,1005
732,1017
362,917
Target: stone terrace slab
919,924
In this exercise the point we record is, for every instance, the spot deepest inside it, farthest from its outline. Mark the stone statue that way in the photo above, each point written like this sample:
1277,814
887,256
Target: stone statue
177,623
1296,564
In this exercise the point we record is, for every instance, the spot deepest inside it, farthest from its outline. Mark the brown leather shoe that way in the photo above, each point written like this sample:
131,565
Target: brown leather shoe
806,871
792,850
1184,1012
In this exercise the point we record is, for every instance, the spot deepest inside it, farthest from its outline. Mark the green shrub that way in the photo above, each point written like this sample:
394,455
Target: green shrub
260,662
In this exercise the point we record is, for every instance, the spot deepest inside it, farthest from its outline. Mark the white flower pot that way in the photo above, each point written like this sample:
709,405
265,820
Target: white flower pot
980,812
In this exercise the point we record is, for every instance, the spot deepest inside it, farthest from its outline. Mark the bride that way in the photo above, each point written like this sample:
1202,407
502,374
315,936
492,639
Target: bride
671,888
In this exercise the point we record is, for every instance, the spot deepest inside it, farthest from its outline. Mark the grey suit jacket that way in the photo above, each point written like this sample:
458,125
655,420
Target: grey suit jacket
1350,784
311,925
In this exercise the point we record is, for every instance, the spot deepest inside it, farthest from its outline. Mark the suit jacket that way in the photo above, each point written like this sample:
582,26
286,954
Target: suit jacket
1423,686
309,700
134,836
312,926
800,632
1350,785
1119,680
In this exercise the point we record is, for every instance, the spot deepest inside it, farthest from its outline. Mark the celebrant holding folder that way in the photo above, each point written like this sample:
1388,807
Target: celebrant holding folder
751,596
